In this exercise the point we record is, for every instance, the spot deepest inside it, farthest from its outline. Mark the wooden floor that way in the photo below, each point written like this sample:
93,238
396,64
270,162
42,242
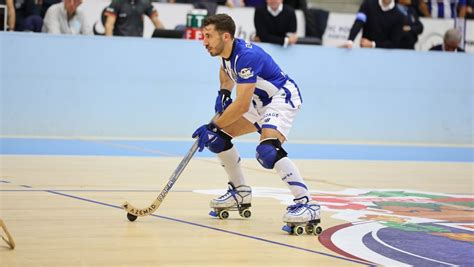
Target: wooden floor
65,211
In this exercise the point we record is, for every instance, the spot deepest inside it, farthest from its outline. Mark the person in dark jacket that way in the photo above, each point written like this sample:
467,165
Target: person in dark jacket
276,23
381,24
412,26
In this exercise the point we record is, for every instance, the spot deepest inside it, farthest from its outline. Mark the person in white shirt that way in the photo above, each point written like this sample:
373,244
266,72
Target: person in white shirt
66,18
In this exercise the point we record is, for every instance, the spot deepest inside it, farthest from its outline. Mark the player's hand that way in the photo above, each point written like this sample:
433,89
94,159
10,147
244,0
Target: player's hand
206,134
223,100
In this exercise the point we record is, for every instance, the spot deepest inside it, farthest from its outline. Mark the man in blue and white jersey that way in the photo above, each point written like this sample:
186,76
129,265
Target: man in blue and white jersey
267,100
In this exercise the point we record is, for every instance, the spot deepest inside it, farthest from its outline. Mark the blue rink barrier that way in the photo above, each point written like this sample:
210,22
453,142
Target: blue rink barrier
149,148
156,88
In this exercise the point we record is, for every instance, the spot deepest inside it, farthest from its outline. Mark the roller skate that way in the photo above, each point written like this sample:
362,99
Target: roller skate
302,217
236,199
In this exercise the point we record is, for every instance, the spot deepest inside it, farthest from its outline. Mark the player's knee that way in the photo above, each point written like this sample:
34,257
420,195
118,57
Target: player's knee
269,152
221,143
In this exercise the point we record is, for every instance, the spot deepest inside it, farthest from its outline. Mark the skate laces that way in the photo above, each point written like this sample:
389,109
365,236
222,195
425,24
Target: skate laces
230,193
296,207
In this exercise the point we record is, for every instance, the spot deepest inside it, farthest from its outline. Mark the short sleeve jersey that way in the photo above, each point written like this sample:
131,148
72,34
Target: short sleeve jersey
129,14
249,63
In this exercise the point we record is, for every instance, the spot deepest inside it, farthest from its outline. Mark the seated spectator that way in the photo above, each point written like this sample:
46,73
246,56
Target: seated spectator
470,9
28,15
10,14
381,24
447,8
46,5
451,41
66,18
412,26
125,18
276,23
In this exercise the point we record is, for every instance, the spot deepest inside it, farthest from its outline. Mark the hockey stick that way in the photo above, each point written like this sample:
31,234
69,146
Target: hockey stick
133,212
9,241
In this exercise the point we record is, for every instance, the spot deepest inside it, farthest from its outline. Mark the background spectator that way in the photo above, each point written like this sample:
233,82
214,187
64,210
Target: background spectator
412,26
451,41
381,25
28,15
10,14
470,9
447,8
125,18
276,23
66,18
46,4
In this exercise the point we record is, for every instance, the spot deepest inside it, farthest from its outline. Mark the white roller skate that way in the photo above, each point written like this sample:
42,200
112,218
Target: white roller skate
301,217
236,199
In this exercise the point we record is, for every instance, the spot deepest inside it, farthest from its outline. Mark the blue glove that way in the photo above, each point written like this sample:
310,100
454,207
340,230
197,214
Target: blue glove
206,134
223,100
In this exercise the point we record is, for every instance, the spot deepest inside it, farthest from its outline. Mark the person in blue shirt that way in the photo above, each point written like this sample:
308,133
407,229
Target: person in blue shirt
267,100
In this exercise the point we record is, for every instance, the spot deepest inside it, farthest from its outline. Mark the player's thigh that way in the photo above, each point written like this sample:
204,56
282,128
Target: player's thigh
240,127
269,133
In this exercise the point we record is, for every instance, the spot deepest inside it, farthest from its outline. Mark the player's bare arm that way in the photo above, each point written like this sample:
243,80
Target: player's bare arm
226,82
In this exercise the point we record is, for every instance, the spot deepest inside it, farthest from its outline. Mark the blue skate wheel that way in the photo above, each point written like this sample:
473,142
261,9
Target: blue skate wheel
288,229
213,213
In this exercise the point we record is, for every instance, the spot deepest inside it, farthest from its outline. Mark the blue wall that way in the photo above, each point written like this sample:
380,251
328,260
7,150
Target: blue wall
158,88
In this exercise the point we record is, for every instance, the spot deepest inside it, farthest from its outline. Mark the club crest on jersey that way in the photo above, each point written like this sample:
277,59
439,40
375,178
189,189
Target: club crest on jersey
246,73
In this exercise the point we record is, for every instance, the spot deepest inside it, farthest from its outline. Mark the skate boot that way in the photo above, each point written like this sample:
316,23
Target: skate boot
301,217
236,199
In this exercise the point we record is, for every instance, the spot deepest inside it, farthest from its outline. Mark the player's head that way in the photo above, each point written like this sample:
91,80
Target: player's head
452,38
218,31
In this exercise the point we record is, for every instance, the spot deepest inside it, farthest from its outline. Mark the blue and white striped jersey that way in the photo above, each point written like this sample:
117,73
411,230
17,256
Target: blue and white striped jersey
444,8
249,63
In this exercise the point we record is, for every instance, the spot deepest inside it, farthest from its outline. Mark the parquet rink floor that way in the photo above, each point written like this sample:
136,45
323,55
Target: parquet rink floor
65,211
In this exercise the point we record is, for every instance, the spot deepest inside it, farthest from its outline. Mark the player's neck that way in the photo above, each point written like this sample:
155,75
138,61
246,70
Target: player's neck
229,47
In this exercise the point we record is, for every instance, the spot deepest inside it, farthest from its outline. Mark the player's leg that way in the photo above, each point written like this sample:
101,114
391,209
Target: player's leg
276,122
238,195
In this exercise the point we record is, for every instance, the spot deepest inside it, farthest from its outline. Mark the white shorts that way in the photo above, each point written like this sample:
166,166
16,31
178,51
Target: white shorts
279,113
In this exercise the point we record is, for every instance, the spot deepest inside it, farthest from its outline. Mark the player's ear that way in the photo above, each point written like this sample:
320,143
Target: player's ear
226,36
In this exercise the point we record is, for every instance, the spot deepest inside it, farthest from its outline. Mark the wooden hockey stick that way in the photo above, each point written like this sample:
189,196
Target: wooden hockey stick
133,212
9,239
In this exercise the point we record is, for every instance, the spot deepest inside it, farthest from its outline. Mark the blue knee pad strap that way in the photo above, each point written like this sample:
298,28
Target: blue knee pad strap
269,152
222,143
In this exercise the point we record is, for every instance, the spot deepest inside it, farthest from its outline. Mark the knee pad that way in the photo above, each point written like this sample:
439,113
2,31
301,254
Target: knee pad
222,143
269,152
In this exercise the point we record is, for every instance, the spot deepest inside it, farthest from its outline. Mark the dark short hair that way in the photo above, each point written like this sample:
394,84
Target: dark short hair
222,23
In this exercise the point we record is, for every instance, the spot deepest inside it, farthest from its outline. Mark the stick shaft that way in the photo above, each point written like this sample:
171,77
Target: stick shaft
174,177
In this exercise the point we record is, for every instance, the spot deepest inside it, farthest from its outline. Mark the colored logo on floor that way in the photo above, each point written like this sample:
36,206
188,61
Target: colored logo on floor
394,227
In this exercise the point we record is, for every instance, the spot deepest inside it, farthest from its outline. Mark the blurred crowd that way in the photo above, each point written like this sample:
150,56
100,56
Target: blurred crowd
383,23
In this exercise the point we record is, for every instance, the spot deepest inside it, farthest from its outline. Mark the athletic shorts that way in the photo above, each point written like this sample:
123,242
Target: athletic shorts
279,113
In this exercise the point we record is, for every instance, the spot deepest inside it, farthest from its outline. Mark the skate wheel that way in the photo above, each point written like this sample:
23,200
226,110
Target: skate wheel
131,217
309,229
298,230
246,213
223,215
287,228
213,213
318,230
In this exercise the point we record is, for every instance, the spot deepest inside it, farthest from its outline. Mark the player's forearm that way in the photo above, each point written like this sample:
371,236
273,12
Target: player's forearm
233,113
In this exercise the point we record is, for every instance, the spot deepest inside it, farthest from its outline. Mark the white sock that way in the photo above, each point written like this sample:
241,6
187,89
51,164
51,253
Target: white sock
290,174
230,160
